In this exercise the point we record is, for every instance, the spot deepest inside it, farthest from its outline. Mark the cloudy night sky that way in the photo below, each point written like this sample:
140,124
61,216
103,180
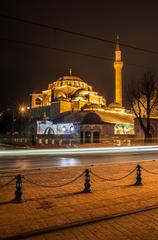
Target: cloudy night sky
27,68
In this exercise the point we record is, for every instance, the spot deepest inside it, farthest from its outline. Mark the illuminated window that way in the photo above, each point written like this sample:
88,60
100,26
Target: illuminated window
72,129
64,128
125,129
38,101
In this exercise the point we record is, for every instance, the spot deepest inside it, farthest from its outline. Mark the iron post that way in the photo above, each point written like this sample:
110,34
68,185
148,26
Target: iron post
87,184
138,176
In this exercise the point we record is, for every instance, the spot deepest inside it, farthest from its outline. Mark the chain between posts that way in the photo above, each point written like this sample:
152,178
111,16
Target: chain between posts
148,171
113,179
87,183
53,186
8,183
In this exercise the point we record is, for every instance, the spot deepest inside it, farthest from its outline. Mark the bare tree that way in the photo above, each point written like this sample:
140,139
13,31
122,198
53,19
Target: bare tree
143,98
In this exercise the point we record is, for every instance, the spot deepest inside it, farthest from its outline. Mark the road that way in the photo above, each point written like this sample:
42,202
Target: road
26,159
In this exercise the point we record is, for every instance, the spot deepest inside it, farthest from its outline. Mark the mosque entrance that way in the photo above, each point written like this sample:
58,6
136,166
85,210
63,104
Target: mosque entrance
87,137
96,137
81,137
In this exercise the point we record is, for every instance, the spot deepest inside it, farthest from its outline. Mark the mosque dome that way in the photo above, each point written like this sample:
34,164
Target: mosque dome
70,78
68,85
68,81
69,88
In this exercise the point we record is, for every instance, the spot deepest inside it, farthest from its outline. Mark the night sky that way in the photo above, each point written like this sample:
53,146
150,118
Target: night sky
28,69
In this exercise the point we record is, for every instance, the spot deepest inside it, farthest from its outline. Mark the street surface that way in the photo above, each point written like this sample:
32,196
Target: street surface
55,207
43,158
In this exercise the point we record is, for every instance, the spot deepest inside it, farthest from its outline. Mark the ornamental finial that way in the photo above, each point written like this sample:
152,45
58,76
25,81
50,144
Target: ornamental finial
70,71
117,43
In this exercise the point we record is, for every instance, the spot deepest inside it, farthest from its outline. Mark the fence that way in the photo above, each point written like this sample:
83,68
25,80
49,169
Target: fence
41,140
87,174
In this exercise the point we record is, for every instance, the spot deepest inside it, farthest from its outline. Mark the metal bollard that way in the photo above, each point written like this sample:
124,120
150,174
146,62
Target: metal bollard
18,192
87,184
138,176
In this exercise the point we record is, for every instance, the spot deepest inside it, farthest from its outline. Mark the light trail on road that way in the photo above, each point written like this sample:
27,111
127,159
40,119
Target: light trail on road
79,151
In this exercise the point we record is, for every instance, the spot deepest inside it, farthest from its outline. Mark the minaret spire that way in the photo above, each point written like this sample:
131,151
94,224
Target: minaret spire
118,65
117,42
70,71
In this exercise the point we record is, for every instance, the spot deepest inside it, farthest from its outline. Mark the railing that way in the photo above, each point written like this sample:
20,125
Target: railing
19,180
70,140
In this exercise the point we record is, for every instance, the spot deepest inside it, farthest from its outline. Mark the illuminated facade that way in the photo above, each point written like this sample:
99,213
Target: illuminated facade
118,65
68,93
70,106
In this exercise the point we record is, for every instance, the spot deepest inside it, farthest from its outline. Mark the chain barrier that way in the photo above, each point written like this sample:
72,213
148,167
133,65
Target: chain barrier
8,183
87,181
113,179
53,186
6,176
148,171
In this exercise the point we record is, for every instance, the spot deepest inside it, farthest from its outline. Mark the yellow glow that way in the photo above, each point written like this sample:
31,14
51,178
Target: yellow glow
118,65
124,129
67,89
22,109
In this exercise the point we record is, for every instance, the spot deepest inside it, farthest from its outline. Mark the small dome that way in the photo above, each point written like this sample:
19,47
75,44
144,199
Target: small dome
81,93
79,98
114,105
60,95
91,106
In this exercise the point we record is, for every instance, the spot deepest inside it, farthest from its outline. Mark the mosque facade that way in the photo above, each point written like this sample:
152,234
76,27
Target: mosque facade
71,109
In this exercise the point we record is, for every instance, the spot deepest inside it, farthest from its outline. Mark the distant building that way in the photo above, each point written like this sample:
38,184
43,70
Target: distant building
70,108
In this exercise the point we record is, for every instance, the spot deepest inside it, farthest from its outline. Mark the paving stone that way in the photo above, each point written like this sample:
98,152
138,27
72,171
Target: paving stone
50,207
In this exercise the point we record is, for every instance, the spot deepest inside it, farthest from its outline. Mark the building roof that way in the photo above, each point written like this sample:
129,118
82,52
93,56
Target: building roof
116,117
70,117
95,117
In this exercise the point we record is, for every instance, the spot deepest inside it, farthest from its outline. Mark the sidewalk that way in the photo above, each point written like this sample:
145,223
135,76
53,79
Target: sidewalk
48,209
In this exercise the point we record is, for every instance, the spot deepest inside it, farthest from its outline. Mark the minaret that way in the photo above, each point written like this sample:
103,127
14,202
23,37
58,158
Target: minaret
118,65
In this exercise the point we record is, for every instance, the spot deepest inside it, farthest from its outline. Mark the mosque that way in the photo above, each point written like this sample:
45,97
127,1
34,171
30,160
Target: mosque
71,109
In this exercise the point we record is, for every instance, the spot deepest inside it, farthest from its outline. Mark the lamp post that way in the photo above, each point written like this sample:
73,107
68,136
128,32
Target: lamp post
21,110
13,122
22,117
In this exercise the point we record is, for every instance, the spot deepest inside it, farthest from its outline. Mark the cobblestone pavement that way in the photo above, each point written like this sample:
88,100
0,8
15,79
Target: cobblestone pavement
46,208
142,226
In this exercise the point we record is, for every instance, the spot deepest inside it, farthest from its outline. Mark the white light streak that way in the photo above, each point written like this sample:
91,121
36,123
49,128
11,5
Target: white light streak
79,151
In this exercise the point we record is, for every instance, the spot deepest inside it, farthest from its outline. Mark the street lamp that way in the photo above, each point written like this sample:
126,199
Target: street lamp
13,122
22,109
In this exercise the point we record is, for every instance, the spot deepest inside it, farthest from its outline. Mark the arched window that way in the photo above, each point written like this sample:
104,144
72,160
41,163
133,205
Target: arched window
49,130
38,101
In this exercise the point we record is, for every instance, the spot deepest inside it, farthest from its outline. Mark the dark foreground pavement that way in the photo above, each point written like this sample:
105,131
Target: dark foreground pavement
113,210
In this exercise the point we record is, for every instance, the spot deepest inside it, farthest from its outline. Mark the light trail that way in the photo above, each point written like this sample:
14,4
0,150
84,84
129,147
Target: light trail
79,151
